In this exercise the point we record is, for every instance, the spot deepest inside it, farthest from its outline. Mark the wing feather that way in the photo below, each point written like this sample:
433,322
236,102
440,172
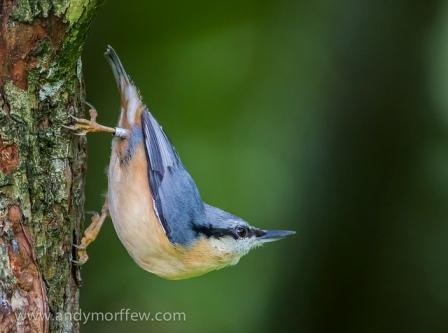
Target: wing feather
176,196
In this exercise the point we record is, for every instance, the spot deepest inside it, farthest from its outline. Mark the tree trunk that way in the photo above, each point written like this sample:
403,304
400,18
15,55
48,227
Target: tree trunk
42,165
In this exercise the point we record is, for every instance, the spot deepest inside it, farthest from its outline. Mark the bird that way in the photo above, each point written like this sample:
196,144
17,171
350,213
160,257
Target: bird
154,203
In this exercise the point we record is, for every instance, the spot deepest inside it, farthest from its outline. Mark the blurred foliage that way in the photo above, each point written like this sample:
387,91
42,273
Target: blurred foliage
327,118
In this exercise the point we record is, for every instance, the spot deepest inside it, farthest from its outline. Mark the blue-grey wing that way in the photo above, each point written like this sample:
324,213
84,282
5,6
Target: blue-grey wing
177,200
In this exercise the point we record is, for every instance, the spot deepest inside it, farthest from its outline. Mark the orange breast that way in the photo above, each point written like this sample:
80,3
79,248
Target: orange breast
138,227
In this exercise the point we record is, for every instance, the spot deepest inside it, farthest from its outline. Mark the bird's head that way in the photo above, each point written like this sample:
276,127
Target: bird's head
231,237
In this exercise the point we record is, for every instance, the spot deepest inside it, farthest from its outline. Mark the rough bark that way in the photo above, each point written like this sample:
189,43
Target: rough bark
41,164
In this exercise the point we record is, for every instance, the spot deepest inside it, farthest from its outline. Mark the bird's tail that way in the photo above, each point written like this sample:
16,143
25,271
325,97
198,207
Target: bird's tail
121,77
130,99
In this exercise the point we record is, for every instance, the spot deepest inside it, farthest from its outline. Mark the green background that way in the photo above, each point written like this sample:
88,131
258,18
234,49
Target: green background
328,118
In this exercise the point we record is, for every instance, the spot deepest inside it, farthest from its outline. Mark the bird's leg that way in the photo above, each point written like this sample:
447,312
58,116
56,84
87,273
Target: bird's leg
84,126
91,233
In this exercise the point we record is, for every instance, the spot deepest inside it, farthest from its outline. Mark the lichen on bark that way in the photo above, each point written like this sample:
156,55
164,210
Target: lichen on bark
41,164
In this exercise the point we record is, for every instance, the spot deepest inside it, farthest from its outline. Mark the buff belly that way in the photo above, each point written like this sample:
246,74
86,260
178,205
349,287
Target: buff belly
132,212
131,208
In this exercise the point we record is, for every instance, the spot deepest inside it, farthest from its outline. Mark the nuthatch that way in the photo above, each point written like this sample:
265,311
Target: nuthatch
154,203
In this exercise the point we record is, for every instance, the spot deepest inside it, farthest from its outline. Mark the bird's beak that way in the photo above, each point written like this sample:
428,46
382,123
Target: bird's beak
273,235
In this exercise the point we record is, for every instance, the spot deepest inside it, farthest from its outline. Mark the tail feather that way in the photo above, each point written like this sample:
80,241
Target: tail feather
121,77
130,99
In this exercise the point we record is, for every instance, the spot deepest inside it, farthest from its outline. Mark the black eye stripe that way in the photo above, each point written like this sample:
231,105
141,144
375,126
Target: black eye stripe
210,231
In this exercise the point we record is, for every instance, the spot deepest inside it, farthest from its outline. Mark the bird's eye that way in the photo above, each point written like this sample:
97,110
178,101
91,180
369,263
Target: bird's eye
241,232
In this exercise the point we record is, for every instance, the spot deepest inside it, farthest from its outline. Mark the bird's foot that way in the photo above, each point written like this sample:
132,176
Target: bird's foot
90,234
84,126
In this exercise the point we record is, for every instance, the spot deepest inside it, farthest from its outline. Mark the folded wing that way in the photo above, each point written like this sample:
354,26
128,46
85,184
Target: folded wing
176,196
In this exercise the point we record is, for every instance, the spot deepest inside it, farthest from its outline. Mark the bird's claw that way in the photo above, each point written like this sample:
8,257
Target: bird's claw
83,126
90,234
79,246
81,254
93,214
81,261
76,130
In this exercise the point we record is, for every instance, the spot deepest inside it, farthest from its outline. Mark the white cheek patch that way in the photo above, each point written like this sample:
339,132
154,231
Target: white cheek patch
231,246
223,244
